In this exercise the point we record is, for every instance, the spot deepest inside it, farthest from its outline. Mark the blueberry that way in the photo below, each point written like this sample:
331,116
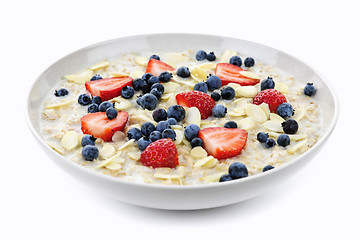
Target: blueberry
165,77
159,87
231,124
267,84
105,105
213,82
149,101
88,140
201,86
249,62
159,115
285,110
84,99
162,125
219,111
61,92
183,72
211,56
145,89
140,101
90,152
134,133
267,168
200,55
177,112
155,135
143,143
191,131
127,92
152,80
238,170
146,76
216,96
225,178
138,83
283,140
169,133
309,89
96,77
172,121
262,137
269,143
228,93
195,142
290,126
154,57
235,60
111,113
147,128
93,108
96,100
156,93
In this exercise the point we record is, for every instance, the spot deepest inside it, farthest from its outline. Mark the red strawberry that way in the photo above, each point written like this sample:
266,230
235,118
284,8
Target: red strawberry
161,153
98,125
229,73
197,99
222,142
270,96
155,67
108,88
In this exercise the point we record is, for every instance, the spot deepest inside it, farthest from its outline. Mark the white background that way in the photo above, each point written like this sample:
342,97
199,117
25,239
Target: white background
39,201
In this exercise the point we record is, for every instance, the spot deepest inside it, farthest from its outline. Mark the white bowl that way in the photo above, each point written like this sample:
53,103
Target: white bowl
182,197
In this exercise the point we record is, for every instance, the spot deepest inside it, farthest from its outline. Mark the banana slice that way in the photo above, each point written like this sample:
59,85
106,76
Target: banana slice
82,77
70,141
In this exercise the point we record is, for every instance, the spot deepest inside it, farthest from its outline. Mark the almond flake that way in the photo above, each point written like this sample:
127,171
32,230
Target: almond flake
56,148
265,108
207,66
118,136
293,137
125,145
250,75
82,77
137,74
60,104
276,117
297,146
70,141
246,123
299,114
179,136
256,113
214,177
198,74
100,65
107,151
170,87
50,114
142,61
246,91
273,125
198,152
281,87
119,74
134,155
113,166
193,116
123,105
174,58
207,162
227,55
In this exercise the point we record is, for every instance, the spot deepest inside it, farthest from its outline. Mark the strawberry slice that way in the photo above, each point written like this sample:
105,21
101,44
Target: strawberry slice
161,153
270,96
155,67
197,99
98,125
229,73
108,88
222,142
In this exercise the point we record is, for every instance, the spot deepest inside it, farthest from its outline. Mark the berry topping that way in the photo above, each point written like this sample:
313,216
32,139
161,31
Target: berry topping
96,100
216,96
249,62
105,105
200,55
309,89
230,124
84,99
138,83
88,140
90,153
191,131
262,137
197,99
290,126
235,60
183,72
96,77
211,56
169,133
127,92
228,93
108,88
267,168
155,135
285,110
145,89
93,108
177,112
229,73
149,101
162,125
223,143
201,86
147,128
154,57
161,153
156,93
155,67
196,142
283,140
267,84
61,92
134,133
270,96
143,143
269,143
152,80
99,126
165,77
159,87
111,113
172,121
219,111
238,170
147,76
213,82
225,178
159,115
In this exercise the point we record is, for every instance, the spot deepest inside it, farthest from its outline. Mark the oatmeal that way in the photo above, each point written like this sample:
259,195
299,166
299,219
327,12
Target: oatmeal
182,118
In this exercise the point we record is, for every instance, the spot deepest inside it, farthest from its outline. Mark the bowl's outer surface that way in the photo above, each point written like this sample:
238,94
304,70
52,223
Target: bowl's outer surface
182,197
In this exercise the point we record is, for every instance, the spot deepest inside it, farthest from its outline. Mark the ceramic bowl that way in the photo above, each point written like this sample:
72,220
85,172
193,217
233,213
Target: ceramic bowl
182,197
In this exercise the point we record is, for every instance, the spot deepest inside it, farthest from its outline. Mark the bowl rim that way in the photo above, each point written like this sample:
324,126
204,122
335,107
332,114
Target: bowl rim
321,141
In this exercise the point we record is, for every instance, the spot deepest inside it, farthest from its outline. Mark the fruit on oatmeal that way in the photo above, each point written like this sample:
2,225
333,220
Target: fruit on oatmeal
155,135
147,128
283,140
262,137
90,152
99,126
162,125
249,62
219,111
134,133
267,168
127,92
309,89
154,56
177,112
211,56
196,142
216,96
238,170
165,76
200,100
290,126
269,143
225,178
96,77
213,82
84,99
160,154
201,86
222,142
111,113
105,105
230,124
285,110
229,73
235,60
191,131
227,93
267,84
61,92
200,55
96,100
159,115
169,133
108,88
271,97
143,143
183,72
149,101
155,67
93,108
88,140
138,84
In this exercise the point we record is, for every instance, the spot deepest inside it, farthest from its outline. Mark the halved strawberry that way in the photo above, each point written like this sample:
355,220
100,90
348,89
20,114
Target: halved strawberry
229,73
161,153
222,142
108,88
155,67
197,99
270,96
98,125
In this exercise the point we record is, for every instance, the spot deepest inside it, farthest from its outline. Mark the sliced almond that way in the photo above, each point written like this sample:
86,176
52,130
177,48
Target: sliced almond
265,108
56,148
166,96
179,136
82,77
273,126
119,74
246,123
249,74
142,61
110,160
207,162
137,74
193,116
134,155
170,87
246,91
176,127
107,151
198,152
188,83
99,65
70,140
297,146
118,136
276,117
198,74
113,166
213,177
256,113
127,144
123,105
167,173
50,114
174,58
281,87
236,113
225,57
60,104
207,66
234,85
293,137
299,114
